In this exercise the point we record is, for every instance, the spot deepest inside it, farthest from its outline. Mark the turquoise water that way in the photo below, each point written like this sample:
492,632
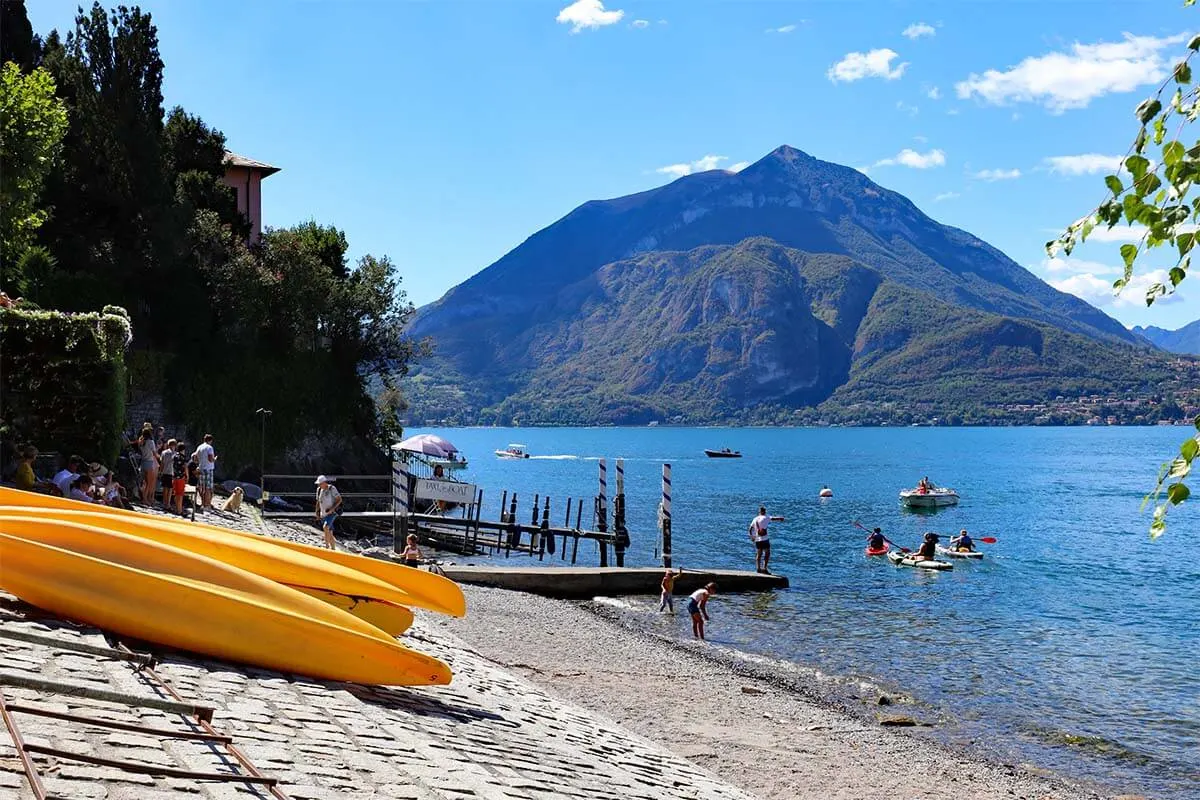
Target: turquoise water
1073,644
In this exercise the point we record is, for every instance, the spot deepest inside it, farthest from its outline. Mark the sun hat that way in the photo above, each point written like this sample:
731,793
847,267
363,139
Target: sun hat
97,470
323,479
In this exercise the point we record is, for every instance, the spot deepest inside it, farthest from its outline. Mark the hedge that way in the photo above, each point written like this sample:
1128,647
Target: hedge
62,380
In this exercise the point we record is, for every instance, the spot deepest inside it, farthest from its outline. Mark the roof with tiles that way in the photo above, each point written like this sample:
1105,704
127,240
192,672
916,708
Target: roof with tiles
234,160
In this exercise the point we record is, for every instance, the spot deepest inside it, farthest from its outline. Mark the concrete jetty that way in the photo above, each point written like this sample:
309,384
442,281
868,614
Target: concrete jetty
584,582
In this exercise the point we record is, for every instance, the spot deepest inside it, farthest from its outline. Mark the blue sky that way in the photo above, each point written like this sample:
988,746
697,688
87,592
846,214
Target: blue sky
444,133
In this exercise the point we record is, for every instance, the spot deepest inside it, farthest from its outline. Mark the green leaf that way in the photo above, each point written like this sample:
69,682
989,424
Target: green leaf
1114,185
1177,276
1183,73
1133,207
1136,166
1185,242
1128,253
1172,152
1158,527
1196,422
1177,493
1149,184
1189,449
1089,225
1148,110
1180,468
1194,44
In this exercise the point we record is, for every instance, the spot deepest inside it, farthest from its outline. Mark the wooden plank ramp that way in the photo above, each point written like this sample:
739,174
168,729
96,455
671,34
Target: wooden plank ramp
584,582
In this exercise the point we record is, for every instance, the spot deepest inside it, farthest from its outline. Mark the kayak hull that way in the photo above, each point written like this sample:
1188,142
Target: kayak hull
951,553
882,551
425,589
906,560
202,617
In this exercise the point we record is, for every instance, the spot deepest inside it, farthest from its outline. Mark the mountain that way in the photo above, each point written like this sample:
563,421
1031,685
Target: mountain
1184,340
794,283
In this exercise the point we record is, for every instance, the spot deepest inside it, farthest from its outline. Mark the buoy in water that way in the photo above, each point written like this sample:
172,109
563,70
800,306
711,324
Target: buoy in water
826,492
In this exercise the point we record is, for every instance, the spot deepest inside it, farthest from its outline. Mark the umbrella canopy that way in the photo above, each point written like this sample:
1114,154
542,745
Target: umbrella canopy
428,444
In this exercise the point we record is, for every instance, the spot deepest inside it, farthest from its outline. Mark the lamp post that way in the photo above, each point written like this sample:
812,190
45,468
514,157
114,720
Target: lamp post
262,456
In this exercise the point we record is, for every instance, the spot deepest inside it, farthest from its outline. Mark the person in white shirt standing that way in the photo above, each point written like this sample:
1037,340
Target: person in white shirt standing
762,540
329,503
206,460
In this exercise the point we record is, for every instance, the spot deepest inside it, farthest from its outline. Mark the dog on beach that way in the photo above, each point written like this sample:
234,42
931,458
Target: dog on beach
234,501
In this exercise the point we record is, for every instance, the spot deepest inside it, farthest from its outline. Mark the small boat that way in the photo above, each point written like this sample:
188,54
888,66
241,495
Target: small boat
513,451
930,498
449,464
723,453
907,560
952,553
878,551
825,492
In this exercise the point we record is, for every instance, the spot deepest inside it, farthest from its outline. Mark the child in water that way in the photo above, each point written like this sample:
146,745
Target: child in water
412,554
668,589
698,608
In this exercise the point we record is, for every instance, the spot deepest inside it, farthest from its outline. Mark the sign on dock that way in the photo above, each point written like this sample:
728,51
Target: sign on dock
446,491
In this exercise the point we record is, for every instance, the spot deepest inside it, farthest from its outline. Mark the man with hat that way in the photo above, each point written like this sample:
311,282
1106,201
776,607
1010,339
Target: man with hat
329,503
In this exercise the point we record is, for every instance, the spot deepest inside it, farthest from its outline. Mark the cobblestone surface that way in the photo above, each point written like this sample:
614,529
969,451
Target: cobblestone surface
490,734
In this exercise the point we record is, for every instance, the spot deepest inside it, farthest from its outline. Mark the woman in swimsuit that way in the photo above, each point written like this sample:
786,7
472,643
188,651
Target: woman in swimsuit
698,608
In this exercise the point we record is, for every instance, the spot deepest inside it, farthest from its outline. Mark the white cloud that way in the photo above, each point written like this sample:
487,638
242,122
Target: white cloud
945,196
872,64
1062,81
1121,233
782,29
911,158
934,94
1063,264
640,23
991,175
699,165
917,30
1085,164
588,14
1099,291
921,139
912,111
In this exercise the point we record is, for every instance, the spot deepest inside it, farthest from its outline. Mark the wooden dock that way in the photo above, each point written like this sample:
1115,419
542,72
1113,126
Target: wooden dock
586,582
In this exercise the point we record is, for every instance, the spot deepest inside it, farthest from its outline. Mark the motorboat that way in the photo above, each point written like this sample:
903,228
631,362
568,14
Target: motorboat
450,464
723,453
929,498
513,451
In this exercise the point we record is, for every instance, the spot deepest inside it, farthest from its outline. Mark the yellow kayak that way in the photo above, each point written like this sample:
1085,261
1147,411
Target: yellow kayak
391,619
262,624
260,556
162,559
424,589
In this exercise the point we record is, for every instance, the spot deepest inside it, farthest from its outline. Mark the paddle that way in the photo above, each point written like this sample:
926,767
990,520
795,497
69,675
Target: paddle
858,524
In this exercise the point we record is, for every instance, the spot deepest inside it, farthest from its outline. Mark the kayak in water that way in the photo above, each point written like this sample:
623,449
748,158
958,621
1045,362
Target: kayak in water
907,560
952,553
878,551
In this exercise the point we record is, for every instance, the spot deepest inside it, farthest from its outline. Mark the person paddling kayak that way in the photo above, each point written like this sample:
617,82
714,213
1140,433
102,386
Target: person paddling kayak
963,543
876,540
928,549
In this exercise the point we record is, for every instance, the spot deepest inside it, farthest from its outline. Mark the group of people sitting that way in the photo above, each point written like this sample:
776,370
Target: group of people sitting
962,543
89,482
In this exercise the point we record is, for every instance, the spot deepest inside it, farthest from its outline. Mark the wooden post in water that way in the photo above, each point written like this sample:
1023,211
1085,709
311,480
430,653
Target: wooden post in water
578,523
619,529
566,524
544,540
602,511
513,534
664,515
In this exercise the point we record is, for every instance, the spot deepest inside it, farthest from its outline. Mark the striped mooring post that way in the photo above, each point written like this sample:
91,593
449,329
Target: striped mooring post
602,510
664,515
620,531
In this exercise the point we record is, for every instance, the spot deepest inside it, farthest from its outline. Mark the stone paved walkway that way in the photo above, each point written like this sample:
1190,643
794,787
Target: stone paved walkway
490,734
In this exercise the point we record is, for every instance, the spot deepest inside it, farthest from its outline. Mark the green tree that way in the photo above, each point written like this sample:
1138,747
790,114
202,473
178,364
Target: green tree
1154,195
32,124
17,42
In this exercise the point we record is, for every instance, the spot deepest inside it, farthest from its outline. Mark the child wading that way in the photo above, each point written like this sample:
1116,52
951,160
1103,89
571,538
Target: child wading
412,554
698,608
668,589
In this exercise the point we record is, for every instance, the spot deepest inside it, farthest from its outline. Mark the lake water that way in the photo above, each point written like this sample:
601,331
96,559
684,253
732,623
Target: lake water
1072,645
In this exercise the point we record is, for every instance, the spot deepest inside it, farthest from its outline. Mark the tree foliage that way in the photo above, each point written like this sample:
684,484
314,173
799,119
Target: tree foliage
1153,194
32,124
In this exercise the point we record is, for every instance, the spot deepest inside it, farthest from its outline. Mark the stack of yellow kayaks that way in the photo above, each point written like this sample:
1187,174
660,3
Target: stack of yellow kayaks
236,596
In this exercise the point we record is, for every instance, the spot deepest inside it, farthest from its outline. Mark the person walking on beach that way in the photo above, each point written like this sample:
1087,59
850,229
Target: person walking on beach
698,608
206,460
329,503
667,601
762,540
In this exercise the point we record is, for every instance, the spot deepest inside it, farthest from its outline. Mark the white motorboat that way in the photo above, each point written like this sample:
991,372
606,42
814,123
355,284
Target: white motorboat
513,451
929,498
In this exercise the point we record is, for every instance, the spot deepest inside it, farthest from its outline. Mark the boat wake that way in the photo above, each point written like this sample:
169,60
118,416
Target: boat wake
554,458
